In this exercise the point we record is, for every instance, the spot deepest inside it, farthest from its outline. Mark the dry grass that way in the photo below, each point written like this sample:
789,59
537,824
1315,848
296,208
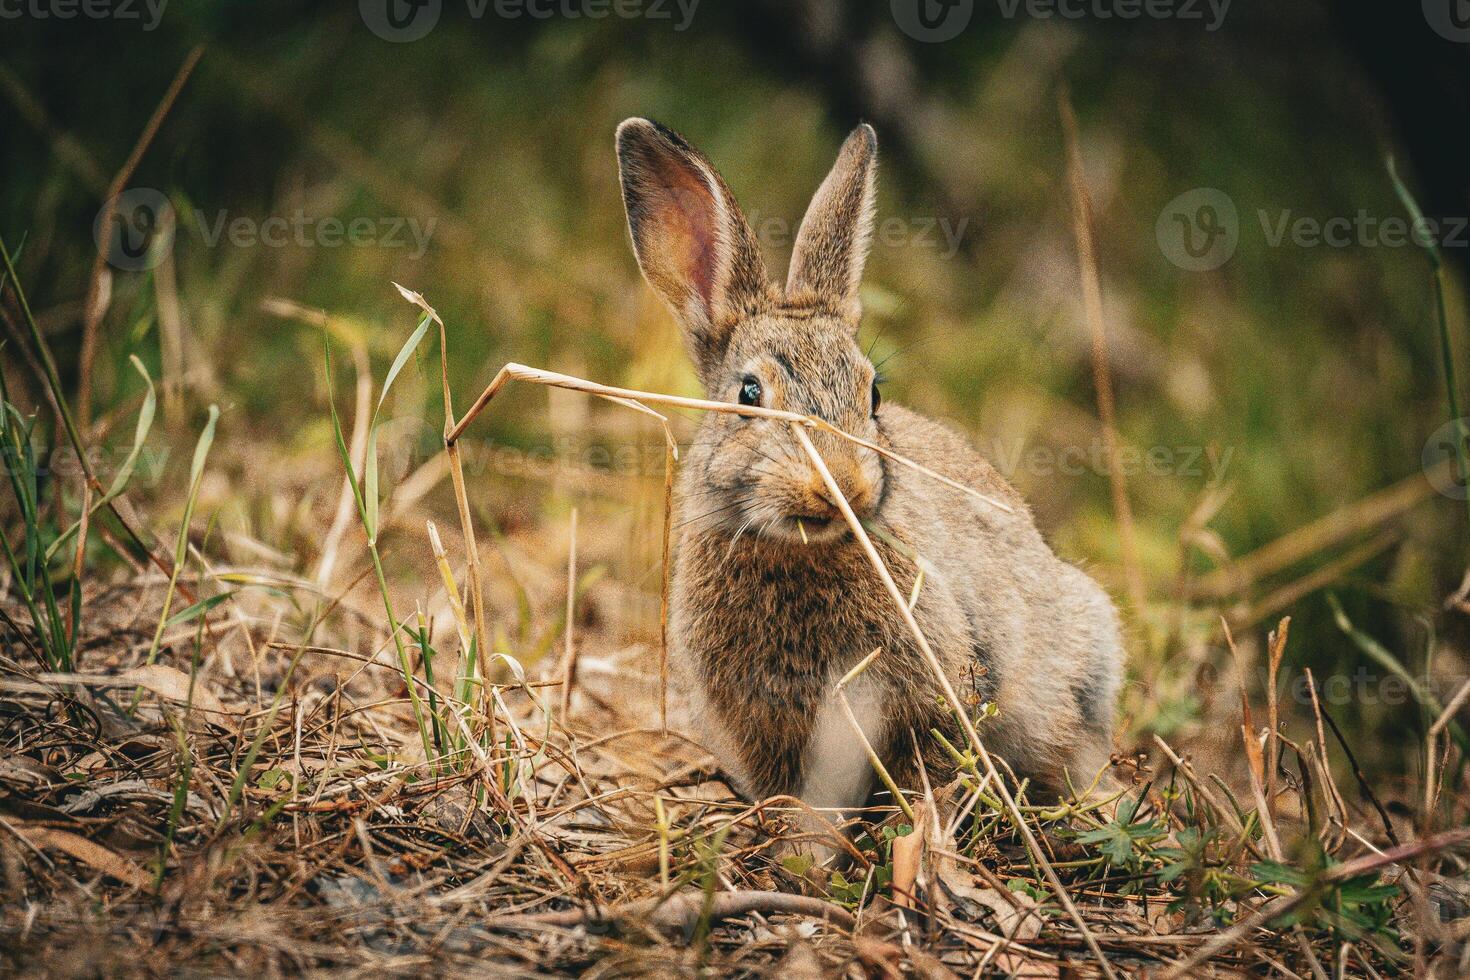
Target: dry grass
288,788
600,844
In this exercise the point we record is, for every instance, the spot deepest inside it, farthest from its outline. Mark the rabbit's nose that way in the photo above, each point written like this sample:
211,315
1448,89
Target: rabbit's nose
854,488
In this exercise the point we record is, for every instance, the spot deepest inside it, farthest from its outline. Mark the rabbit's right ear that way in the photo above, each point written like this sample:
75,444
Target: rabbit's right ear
832,244
693,244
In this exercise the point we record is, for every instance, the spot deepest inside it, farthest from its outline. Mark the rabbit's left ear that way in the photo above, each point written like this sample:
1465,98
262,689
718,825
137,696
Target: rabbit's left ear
832,245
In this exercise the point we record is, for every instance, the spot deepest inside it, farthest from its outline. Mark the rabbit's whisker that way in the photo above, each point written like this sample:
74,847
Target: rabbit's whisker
733,541
761,452
737,487
718,510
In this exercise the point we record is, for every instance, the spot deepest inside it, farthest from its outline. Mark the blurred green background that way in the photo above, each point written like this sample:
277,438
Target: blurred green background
1285,384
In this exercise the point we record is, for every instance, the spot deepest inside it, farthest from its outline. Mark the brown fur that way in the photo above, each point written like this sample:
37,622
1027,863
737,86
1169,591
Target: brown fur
763,623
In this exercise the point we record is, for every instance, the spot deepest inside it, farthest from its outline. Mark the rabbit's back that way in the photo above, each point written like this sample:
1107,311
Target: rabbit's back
1049,633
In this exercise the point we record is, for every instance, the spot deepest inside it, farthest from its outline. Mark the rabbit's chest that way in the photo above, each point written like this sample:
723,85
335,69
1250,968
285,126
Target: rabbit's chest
770,640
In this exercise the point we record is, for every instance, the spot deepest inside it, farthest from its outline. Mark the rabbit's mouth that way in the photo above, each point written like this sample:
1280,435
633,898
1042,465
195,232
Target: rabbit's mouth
812,528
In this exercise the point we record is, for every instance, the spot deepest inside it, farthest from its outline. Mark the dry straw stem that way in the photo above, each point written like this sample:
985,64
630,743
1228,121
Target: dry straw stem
1293,592
670,454
633,399
1277,647
684,909
99,286
451,588
462,503
569,652
1225,813
840,689
1324,766
1101,372
1362,515
1432,770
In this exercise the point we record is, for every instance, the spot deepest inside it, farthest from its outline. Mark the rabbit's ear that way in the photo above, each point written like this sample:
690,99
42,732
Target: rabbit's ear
693,244
832,245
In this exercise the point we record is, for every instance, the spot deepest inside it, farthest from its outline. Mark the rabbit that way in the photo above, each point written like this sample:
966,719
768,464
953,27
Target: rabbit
772,600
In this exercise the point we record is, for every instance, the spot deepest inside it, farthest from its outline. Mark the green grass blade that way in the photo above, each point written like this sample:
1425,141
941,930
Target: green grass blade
1446,353
1416,216
1381,655
404,353
124,472
196,473
342,451
181,553
370,462
140,431
198,609
369,520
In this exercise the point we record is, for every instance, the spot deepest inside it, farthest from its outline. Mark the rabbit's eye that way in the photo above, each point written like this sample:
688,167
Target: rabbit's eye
750,391
877,397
